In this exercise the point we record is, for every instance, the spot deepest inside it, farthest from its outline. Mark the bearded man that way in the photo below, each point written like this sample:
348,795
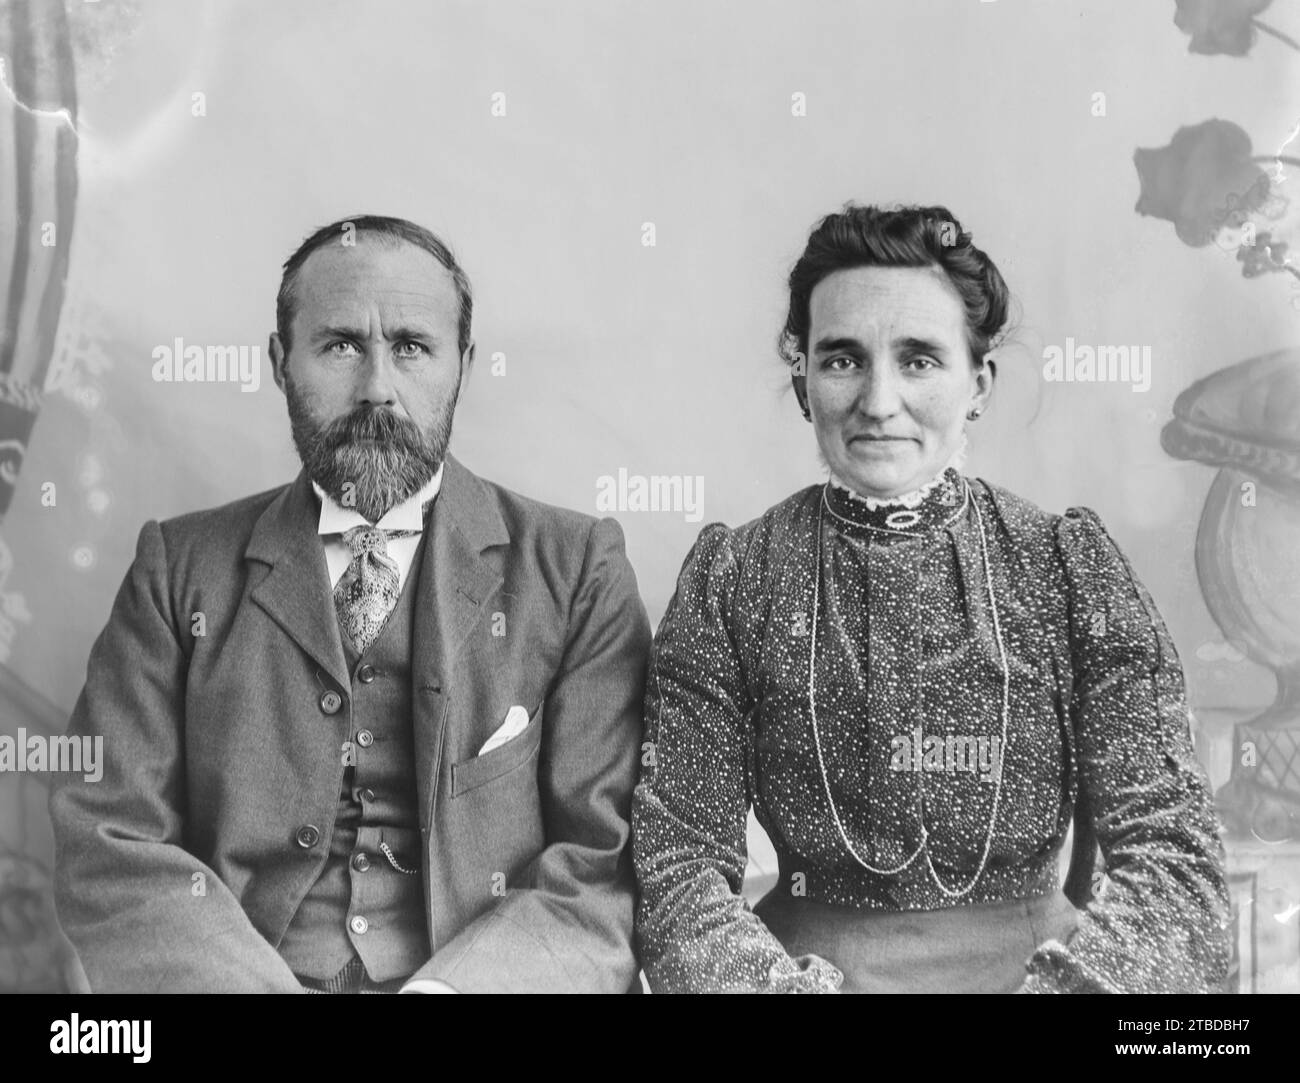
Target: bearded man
375,730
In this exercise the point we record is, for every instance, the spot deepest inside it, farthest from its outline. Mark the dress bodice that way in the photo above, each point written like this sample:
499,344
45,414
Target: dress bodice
912,700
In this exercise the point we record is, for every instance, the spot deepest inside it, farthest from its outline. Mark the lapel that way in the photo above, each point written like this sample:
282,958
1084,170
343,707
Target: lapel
455,582
296,593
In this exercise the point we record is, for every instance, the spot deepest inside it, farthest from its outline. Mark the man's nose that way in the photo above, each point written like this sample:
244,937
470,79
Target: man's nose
878,396
376,377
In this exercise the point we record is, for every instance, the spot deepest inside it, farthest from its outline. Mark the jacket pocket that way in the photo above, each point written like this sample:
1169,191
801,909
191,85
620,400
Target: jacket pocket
519,750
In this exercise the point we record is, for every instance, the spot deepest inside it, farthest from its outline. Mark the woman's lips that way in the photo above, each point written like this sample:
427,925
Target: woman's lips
877,447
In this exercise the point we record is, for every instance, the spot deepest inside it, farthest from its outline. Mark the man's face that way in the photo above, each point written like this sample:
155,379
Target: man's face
373,371
890,376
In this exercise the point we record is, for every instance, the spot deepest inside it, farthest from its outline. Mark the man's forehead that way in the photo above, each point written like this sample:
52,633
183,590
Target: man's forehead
392,272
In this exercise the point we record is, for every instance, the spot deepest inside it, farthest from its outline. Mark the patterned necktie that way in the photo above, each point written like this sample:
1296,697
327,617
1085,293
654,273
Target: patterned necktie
368,590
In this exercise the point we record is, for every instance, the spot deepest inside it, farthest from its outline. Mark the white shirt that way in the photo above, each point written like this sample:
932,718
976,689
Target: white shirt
334,520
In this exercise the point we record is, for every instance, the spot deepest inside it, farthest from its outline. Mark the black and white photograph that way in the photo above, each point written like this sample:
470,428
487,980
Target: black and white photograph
612,496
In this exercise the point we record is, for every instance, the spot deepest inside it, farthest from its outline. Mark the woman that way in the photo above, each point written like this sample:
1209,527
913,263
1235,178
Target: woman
913,677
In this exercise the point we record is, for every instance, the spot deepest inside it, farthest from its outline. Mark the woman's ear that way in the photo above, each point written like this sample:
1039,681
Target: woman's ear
985,376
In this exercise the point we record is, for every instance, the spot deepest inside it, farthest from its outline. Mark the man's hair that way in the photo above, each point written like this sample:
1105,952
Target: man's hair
391,230
900,237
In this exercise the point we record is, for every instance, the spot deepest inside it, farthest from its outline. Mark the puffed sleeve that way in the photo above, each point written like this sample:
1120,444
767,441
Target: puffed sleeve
1160,925
695,930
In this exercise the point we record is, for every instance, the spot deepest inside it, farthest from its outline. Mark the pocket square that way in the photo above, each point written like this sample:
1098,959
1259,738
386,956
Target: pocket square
515,723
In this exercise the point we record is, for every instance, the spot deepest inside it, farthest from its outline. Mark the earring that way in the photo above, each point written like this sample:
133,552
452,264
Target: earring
974,413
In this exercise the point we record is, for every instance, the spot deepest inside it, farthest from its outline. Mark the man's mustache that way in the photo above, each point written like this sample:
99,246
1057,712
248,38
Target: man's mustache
368,423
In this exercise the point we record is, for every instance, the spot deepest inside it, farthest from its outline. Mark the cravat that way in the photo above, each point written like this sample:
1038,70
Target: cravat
368,590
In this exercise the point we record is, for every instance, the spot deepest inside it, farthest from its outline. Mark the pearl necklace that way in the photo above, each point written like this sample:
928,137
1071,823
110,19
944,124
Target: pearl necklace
1006,697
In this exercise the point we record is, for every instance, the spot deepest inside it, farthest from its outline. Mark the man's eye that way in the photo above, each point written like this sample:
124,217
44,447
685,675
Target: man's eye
839,363
340,348
410,349
922,361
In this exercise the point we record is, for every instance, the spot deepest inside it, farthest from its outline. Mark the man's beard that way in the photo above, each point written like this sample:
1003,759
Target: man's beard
372,477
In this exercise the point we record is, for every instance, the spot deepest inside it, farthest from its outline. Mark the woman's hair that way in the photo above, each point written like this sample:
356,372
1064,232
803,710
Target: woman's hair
899,237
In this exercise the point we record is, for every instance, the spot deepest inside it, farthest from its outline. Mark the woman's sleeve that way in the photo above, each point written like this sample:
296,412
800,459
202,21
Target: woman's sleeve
1160,925
695,930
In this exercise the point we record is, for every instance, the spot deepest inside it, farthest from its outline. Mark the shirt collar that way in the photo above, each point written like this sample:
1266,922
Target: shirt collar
408,515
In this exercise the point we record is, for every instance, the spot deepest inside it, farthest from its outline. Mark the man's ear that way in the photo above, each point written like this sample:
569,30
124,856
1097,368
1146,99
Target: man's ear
467,362
279,358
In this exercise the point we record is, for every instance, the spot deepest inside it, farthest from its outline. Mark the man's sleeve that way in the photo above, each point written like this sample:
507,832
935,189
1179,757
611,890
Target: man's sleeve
143,913
565,922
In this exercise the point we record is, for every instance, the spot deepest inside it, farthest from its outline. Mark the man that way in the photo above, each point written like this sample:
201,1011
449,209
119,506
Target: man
376,730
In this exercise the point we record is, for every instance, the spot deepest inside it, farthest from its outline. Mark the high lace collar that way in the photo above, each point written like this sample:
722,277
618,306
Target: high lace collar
918,511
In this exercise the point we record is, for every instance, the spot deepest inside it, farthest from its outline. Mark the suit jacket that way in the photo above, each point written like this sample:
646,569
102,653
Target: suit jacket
181,868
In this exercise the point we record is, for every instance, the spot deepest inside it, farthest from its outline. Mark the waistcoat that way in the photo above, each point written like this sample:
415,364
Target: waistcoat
361,904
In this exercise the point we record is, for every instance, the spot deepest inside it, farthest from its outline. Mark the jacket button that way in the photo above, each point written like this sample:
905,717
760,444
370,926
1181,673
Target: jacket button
366,673
367,795
330,702
358,925
361,862
308,835
365,738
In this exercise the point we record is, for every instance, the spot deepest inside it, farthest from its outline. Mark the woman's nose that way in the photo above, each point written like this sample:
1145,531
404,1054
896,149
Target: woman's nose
878,392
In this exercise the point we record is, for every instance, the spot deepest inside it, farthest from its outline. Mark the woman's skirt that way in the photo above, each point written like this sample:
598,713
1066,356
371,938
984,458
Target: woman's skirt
980,948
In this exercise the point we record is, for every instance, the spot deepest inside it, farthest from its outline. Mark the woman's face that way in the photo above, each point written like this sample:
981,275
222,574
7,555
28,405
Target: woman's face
890,377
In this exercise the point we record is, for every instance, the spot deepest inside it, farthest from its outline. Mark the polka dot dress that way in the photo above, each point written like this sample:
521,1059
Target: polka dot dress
913,700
